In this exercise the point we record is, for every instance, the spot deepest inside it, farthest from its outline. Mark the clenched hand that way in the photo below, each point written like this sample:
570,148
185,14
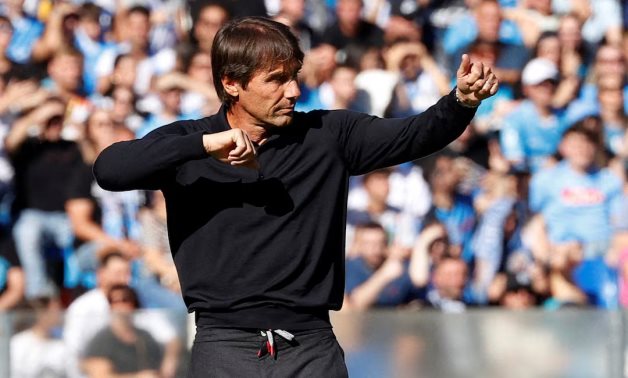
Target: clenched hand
232,147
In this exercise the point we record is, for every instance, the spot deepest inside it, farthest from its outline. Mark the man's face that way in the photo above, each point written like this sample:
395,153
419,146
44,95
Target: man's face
343,84
450,278
348,11
116,272
372,246
66,71
138,28
209,22
578,150
541,93
488,18
269,97
377,186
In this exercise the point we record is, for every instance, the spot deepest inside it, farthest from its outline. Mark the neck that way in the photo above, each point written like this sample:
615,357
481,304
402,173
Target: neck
376,207
543,109
579,168
442,200
257,131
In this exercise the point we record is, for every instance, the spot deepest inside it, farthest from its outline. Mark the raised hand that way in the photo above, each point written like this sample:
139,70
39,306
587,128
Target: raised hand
475,82
232,147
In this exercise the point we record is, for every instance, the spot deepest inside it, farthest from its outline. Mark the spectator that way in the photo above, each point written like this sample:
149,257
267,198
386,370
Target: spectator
568,63
65,81
124,74
533,18
609,64
318,66
26,31
450,207
134,27
6,34
447,284
38,351
613,115
58,33
210,16
170,88
497,240
43,165
292,13
399,226
157,282
89,39
531,133
123,111
121,348
576,189
509,58
341,91
378,275
421,81
588,196
96,215
517,295
350,28
90,312
200,95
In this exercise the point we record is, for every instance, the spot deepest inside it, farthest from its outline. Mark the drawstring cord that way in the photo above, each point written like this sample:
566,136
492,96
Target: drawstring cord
268,345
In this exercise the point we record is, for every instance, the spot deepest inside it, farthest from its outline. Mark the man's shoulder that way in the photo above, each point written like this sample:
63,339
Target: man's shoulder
90,301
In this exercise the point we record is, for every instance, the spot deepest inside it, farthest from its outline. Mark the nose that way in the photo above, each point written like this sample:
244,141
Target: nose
292,90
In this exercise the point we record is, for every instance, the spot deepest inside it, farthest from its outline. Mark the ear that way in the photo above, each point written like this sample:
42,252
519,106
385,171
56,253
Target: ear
230,86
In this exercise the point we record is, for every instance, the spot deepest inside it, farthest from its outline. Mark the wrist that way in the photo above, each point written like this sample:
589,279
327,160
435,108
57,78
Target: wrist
465,102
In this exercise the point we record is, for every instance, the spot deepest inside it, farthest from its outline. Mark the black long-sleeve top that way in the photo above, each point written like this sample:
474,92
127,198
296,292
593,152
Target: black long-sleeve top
265,248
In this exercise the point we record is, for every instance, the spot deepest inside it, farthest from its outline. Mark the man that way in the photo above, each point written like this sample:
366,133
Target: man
589,197
90,312
378,276
531,132
256,200
43,166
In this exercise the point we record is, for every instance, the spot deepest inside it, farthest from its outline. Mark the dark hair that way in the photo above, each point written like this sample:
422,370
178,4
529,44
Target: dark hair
373,226
129,294
545,35
6,20
104,261
580,128
139,9
247,45
90,11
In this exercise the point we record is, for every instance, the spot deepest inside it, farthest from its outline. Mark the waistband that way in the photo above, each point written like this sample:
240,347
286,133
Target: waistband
265,317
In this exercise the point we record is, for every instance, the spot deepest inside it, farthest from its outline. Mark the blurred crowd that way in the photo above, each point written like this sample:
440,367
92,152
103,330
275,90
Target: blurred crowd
527,208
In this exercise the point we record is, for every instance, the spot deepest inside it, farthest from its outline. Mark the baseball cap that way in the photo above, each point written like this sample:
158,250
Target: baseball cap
538,70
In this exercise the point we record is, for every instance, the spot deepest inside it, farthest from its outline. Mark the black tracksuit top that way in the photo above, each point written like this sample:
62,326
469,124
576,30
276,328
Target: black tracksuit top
265,249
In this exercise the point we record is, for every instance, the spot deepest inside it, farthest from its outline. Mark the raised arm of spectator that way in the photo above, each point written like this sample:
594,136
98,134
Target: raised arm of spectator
37,118
80,211
14,291
419,269
54,35
365,295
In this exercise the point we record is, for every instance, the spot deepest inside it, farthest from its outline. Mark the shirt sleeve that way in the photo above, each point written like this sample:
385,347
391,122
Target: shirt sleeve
148,163
369,142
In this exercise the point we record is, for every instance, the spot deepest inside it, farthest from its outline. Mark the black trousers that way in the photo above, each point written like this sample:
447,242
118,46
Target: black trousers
227,352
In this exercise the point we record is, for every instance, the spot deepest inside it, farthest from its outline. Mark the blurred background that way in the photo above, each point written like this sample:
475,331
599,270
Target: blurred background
506,254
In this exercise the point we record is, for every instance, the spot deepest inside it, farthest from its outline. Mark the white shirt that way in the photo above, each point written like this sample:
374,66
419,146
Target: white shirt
35,357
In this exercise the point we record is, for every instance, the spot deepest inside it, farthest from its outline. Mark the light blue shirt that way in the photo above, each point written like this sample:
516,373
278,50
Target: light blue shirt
528,139
26,31
575,206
